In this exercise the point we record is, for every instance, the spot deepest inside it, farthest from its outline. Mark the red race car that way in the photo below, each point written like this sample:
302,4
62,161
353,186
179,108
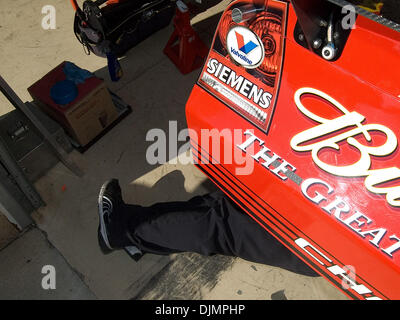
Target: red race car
296,117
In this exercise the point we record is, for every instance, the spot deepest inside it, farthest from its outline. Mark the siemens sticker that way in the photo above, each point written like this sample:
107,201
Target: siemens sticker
239,83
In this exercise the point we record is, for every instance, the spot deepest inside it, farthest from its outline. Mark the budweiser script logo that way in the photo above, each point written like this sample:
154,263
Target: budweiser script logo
347,127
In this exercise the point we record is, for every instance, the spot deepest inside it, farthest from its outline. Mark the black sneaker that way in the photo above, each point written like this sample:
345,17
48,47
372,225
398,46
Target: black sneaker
110,200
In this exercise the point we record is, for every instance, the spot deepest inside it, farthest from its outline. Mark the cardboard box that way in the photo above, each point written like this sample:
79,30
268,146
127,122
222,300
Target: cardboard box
85,117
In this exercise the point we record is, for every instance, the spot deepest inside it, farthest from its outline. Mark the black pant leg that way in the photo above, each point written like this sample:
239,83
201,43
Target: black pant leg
210,224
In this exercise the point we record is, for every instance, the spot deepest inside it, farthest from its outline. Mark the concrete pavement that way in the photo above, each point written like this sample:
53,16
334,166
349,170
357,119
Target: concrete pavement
157,93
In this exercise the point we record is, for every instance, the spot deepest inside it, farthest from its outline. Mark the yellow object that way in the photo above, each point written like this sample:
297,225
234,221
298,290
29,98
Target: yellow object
377,9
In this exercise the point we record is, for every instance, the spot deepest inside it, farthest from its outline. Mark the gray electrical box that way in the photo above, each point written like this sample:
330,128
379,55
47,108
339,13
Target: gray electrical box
27,145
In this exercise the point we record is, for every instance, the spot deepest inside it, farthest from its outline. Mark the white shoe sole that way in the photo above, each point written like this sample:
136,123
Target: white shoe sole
132,251
103,229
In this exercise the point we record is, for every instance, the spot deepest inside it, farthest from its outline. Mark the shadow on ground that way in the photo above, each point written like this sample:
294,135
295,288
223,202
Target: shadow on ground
157,93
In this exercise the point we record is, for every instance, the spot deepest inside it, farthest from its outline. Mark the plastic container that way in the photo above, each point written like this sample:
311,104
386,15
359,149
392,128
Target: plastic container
64,92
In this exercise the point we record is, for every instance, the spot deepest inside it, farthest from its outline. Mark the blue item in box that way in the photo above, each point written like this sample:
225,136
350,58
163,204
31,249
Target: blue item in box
64,92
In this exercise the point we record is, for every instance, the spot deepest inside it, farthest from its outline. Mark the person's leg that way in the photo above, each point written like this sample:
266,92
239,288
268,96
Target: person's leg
210,224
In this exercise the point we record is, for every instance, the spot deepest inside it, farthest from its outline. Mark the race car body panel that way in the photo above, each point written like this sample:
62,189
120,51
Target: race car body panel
305,142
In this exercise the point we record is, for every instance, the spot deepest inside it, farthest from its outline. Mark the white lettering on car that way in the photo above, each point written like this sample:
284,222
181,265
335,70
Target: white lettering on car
346,128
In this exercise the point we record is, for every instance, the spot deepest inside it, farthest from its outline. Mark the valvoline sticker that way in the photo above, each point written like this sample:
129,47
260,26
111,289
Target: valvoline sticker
244,65
249,54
